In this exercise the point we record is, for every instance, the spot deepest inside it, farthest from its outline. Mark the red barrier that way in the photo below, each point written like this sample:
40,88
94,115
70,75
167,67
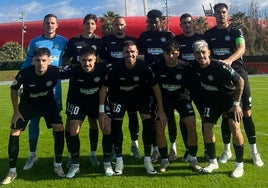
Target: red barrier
257,67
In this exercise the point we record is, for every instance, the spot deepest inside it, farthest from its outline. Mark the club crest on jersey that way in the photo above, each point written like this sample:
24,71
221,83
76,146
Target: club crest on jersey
97,79
163,39
178,76
94,46
136,78
49,83
227,38
56,46
210,77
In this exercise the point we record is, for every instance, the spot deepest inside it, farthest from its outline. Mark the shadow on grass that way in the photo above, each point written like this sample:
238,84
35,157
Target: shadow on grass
43,169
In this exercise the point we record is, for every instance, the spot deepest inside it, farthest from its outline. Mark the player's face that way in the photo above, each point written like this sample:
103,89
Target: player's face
221,15
119,27
187,25
50,25
130,54
41,64
203,57
171,57
90,26
88,62
154,24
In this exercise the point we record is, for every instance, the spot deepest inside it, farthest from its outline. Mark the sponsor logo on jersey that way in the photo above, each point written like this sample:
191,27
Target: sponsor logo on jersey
171,87
128,88
209,87
89,91
40,94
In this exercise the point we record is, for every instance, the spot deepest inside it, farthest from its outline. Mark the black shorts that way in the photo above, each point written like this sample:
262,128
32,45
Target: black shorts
78,110
183,107
49,111
215,108
120,104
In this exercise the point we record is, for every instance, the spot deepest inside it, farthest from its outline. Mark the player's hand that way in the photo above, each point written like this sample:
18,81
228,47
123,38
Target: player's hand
162,116
238,113
16,116
104,123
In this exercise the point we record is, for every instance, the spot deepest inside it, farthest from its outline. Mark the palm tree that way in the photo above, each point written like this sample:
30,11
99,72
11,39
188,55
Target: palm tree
107,21
200,25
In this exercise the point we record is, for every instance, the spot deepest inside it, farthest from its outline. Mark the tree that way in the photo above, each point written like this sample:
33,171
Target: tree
11,51
200,25
107,22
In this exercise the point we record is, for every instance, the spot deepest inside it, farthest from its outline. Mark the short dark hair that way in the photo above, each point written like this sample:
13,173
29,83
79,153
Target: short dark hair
41,51
129,43
118,17
87,50
220,5
90,17
154,14
170,45
49,16
185,15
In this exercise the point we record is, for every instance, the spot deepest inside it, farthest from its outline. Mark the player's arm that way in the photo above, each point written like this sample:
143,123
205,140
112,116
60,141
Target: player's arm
16,113
240,50
236,109
102,114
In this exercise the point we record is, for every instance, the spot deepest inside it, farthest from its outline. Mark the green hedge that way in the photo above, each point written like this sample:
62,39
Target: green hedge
10,65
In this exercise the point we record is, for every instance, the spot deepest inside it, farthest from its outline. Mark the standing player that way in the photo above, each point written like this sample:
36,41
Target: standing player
227,44
150,44
112,52
88,38
172,77
128,83
221,92
37,100
186,40
87,79
56,44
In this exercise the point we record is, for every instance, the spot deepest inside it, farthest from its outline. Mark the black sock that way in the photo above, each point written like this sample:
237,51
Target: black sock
13,150
163,152
239,153
117,134
67,138
192,150
93,137
107,145
75,148
58,145
133,125
211,150
225,131
250,129
147,136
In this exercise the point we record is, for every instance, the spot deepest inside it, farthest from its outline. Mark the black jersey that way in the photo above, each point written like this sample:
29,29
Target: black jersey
186,43
113,46
86,85
222,43
172,80
217,81
36,89
151,42
75,44
128,82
